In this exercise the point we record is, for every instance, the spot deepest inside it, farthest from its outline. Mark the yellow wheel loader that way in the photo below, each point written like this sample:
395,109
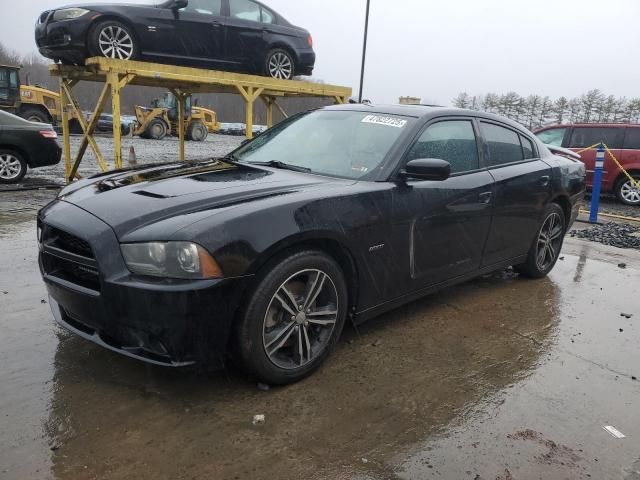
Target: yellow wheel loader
32,103
161,119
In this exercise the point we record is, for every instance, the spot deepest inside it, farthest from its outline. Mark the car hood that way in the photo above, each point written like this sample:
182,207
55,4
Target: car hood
132,199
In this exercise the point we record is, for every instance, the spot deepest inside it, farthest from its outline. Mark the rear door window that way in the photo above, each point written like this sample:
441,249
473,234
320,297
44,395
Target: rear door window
267,16
451,140
583,137
245,10
503,145
632,139
205,7
553,136
527,148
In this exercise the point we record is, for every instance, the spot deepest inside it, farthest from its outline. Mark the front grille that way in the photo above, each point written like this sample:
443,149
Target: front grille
69,258
67,242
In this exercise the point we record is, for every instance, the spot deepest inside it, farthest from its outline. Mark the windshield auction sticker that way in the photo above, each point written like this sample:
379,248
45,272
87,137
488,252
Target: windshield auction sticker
383,120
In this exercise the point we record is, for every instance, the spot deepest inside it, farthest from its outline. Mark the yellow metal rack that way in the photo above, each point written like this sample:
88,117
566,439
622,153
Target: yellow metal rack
182,82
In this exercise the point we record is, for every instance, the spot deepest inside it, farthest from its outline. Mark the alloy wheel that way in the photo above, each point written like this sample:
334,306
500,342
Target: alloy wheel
300,319
280,66
10,166
630,193
549,241
115,42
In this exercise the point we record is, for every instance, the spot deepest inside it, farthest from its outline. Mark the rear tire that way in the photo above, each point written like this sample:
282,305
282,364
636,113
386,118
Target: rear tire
293,318
626,192
547,244
156,130
113,39
280,65
197,132
35,115
13,166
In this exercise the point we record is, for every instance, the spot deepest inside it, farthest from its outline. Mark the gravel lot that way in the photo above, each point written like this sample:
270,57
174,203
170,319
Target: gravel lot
147,151
154,151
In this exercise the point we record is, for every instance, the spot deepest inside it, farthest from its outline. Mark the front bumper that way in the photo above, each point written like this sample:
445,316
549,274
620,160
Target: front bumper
65,39
163,322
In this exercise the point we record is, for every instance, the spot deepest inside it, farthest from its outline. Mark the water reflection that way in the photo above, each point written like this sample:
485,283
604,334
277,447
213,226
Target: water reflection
392,384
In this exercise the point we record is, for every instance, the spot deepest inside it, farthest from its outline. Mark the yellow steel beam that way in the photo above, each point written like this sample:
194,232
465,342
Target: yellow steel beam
88,136
153,74
114,81
90,128
181,98
66,137
250,94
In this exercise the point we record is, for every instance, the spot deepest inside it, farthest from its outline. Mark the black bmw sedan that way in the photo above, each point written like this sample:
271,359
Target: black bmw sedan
236,35
24,145
340,213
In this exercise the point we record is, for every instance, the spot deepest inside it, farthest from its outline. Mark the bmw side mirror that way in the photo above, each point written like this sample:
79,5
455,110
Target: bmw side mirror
178,4
427,169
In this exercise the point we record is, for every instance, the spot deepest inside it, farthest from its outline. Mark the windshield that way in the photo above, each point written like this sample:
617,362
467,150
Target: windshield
328,142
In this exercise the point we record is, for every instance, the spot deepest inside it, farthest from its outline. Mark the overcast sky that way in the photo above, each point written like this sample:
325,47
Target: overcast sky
436,49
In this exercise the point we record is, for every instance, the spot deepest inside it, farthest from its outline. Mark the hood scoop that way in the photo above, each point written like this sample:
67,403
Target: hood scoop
151,194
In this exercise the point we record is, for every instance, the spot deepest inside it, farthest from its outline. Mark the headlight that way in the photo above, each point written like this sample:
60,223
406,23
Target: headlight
170,260
69,14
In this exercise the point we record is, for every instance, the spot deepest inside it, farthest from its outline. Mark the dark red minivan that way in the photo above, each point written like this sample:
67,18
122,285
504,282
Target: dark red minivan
622,139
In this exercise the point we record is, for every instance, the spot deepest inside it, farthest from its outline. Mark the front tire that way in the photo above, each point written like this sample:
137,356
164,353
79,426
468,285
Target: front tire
626,192
545,250
197,132
156,130
293,318
13,167
279,65
113,39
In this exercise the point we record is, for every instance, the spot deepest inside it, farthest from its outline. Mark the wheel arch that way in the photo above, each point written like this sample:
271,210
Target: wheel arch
17,150
564,203
327,243
113,17
25,107
282,45
635,170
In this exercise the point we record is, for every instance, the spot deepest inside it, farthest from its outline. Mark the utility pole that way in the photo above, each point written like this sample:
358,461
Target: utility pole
364,50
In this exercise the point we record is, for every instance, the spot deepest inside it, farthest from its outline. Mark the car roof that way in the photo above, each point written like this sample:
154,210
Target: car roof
423,112
592,125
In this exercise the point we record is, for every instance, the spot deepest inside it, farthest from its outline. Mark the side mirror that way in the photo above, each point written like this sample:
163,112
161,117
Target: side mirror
177,4
427,169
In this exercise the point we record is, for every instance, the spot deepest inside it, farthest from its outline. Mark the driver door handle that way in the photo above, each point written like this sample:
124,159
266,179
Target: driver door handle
485,197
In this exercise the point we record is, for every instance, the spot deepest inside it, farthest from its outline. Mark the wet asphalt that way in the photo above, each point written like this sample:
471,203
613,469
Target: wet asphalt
499,378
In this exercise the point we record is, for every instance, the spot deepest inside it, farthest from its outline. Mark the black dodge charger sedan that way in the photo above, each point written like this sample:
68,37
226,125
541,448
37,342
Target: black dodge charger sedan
238,35
340,213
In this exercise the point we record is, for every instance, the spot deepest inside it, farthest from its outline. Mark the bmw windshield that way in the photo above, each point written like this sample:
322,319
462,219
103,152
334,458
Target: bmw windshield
337,143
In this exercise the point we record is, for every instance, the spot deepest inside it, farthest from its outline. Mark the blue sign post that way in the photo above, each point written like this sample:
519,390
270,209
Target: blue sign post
597,183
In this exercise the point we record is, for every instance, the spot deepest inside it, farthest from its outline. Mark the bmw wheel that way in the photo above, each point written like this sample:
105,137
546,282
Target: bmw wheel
12,167
546,247
293,318
113,39
627,192
280,65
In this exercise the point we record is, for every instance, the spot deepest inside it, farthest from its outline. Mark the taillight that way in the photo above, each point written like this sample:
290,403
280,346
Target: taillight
49,133
310,40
